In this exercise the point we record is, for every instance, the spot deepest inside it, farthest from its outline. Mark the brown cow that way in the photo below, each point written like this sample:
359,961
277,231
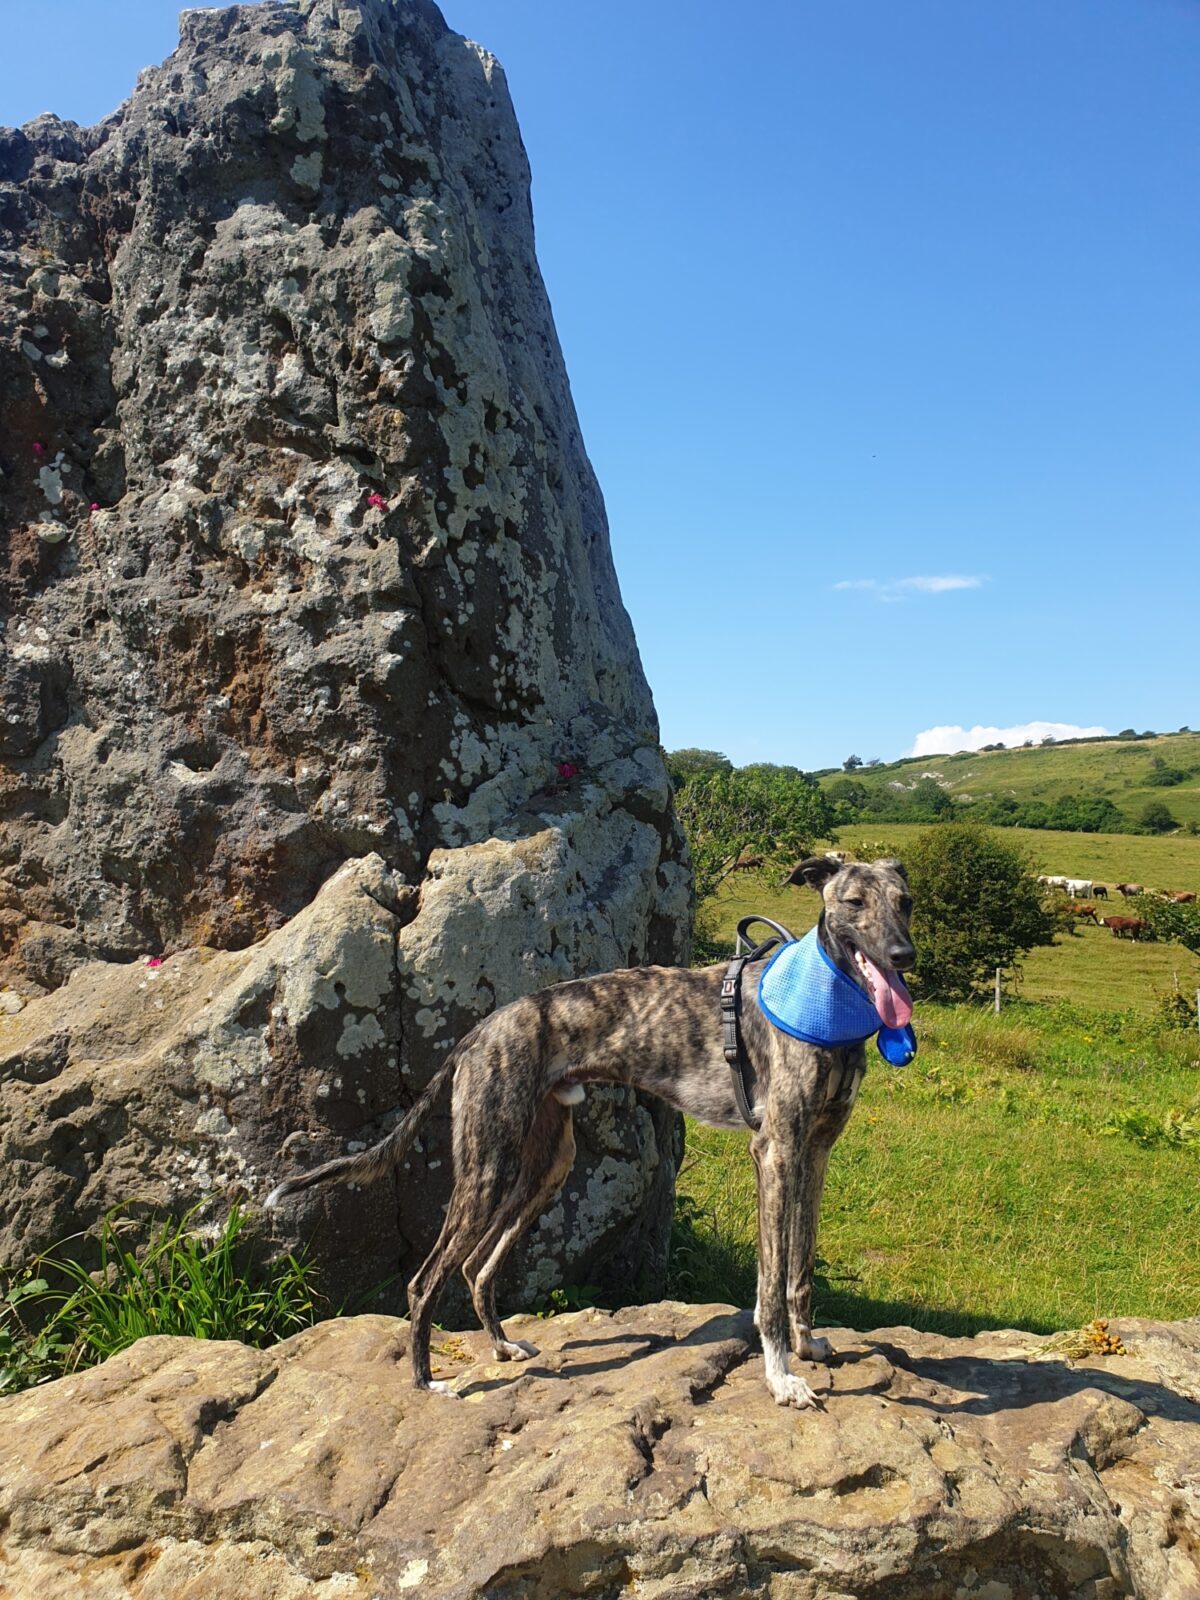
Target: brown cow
1077,909
1180,897
1130,888
746,864
1133,926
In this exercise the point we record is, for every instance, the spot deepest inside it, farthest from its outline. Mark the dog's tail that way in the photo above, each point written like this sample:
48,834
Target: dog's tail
381,1158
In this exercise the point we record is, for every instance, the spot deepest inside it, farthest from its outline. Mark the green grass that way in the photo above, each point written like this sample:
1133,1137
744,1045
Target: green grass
59,1313
1033,1170
1115,769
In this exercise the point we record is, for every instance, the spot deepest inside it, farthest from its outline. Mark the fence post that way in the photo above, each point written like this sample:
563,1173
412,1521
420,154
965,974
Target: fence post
1198,1009
997,991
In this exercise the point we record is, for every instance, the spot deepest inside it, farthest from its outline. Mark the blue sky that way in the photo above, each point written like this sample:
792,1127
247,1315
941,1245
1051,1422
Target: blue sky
852,294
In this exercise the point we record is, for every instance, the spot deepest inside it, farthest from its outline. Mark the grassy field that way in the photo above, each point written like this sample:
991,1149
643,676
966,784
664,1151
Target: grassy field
1117,770
1034,1169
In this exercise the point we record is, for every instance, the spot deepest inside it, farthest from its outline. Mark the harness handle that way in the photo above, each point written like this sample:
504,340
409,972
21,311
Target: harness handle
747,946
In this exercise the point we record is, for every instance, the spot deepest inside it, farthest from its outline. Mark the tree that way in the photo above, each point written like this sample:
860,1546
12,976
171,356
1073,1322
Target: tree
851,763
682,764
729,815
929,801
1156,818
978,906
847,796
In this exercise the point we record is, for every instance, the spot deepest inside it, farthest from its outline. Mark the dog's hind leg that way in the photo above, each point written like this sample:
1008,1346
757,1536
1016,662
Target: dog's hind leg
546,1160
473,1206
453,1244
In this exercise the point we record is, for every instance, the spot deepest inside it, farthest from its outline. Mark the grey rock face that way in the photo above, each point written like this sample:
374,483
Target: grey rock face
302,557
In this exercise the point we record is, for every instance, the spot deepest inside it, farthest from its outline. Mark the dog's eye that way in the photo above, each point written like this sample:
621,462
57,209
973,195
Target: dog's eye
855,902
905,904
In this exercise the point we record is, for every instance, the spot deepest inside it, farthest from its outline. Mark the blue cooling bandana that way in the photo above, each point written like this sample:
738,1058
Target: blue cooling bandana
805,994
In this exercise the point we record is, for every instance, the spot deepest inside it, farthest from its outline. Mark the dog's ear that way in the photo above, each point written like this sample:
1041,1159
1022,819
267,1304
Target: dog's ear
815,872
896,866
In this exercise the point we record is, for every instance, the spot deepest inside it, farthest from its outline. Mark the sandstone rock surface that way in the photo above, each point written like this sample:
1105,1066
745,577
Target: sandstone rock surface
303,563
640,1455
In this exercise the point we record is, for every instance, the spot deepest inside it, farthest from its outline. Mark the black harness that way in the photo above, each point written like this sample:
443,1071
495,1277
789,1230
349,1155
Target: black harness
731,989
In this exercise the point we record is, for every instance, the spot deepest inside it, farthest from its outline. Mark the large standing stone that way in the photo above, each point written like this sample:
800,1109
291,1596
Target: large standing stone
303,564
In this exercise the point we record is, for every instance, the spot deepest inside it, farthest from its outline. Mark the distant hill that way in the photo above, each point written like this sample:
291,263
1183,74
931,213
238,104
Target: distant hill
1092,785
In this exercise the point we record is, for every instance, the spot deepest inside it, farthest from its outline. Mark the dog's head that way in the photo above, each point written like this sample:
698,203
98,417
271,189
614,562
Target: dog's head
864,926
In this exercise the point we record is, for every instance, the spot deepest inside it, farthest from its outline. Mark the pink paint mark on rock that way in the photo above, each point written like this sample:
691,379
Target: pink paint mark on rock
154,961
39,449
567,769
377,501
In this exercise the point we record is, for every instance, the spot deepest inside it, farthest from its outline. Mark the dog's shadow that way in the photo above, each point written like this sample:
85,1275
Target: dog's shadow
968,1384
636,1347
979,1385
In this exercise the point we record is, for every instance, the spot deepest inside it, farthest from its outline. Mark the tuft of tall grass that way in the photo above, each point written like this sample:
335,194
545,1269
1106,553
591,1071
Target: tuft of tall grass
977,1039
58,1313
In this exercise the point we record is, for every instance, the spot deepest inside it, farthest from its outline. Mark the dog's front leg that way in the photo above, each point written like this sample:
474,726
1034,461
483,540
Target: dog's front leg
777,1180
802,1252
811,1167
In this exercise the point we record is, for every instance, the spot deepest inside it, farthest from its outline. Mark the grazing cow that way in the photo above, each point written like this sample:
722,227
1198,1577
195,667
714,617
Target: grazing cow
1054,883
746,864
1100,890
1133,926
1082,912
1127,889
838,855
1180,897
1079,888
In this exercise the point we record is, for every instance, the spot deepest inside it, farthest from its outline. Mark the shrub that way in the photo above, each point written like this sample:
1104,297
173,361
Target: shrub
1176,1010
1156,818
1165,777
978,907
1168,921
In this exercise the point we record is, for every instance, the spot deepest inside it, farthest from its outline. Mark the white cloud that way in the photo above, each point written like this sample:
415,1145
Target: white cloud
897,588
946,740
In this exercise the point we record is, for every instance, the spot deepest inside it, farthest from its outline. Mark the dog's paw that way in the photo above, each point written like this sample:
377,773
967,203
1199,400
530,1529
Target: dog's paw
793,1391
438,1386
811,1349
515,1350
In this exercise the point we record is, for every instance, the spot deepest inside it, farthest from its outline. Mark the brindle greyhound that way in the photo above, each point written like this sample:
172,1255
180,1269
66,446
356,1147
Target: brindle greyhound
518,1073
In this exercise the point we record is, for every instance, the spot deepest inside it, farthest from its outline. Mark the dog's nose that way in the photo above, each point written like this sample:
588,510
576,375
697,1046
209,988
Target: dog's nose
902,956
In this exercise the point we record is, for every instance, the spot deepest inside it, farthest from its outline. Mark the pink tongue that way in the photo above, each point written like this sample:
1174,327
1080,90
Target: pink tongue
892,999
